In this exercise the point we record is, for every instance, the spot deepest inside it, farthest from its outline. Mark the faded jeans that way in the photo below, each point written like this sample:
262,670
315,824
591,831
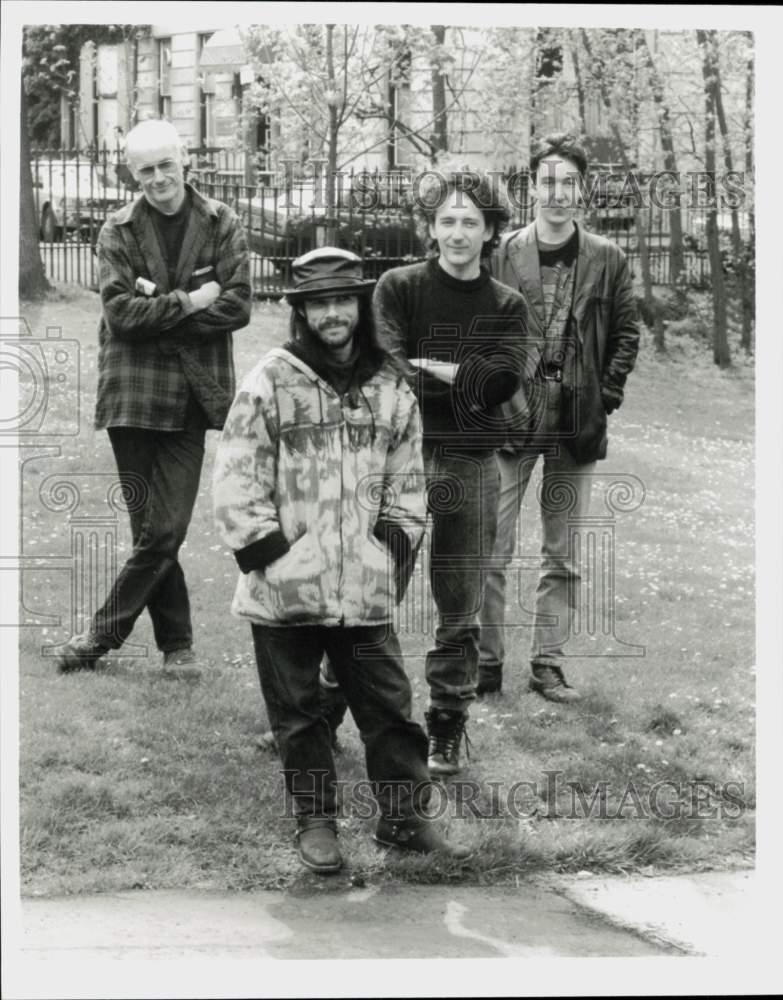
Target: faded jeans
565,500
462,498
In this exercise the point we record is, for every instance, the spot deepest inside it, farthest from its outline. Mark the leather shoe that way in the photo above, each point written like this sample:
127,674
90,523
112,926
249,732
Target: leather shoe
550,683
318,848
181,664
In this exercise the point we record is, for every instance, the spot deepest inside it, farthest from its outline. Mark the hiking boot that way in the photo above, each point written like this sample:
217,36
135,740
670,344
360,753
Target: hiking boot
318,848
421,837
81,652
181,664
550,683
445,730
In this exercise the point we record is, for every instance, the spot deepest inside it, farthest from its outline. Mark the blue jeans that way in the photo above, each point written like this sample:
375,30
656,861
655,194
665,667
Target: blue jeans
162,469
367,663
462,494
565,500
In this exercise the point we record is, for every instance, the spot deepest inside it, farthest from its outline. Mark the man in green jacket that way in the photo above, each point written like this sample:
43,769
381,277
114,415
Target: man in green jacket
583,332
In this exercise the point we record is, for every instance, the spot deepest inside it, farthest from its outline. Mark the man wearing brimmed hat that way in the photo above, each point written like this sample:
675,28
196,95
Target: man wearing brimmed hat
319,492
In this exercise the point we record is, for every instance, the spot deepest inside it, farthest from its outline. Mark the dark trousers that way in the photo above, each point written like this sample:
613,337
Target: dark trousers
462,494
160,473
367,663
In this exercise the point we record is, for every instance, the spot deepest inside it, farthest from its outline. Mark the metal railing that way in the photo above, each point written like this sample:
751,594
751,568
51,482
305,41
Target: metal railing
288,214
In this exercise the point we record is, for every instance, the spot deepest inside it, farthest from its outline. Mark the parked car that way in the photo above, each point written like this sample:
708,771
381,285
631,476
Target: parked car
73,196
373,218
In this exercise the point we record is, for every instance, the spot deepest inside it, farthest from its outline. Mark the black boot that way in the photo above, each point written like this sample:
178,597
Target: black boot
445,729
419,836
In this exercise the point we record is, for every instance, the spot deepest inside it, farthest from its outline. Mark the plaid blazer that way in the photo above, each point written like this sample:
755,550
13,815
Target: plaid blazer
154,350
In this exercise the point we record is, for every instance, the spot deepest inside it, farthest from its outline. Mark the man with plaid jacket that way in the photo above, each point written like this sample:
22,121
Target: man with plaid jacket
175,284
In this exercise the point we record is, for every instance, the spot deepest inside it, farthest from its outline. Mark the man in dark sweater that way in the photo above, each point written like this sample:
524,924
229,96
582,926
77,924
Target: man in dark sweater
459,335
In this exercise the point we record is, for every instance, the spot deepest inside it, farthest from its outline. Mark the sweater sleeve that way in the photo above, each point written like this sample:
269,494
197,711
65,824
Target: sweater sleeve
391,321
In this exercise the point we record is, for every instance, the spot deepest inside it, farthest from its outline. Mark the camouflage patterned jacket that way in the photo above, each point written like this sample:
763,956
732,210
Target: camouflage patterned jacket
322,504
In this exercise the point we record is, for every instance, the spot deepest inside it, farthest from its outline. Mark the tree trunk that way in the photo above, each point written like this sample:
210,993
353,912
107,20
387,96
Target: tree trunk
440,135
748,302
32,280
580,90
737,247
676,255
720,350
641,234
331,152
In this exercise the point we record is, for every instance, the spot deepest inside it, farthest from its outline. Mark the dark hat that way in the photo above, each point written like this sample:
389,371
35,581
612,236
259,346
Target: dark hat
327,271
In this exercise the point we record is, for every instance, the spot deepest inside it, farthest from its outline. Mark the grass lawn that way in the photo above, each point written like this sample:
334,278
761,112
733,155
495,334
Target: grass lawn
132,780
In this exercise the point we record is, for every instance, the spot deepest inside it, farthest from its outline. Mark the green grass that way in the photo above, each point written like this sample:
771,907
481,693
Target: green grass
128,779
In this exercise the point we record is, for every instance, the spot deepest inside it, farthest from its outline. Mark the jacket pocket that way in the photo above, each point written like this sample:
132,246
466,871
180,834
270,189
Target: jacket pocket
294,582
379,578
582,413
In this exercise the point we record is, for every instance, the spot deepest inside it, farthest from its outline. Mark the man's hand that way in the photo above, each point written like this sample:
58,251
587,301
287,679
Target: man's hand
446,371
611,399
203,297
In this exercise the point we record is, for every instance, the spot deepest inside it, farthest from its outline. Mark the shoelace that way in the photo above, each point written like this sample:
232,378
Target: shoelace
447,742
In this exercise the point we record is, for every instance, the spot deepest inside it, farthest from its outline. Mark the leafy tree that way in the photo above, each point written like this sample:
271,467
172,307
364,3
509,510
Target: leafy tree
50,69
664,116
320,84
610,72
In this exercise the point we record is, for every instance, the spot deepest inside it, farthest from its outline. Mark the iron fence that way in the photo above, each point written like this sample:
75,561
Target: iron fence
288,213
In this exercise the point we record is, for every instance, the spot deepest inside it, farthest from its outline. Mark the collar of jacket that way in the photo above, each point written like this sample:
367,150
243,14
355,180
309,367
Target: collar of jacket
130,212
202,209
521,249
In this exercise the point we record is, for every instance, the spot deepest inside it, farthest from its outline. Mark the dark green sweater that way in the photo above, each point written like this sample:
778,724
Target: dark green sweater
421,311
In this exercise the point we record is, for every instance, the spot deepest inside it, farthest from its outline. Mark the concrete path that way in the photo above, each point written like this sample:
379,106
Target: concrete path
98,946
712,914
403,922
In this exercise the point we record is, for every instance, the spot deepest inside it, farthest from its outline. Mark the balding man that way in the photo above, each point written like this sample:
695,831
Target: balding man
174,284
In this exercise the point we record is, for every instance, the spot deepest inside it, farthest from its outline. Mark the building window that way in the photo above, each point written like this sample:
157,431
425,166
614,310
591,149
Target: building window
164,78
206,96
